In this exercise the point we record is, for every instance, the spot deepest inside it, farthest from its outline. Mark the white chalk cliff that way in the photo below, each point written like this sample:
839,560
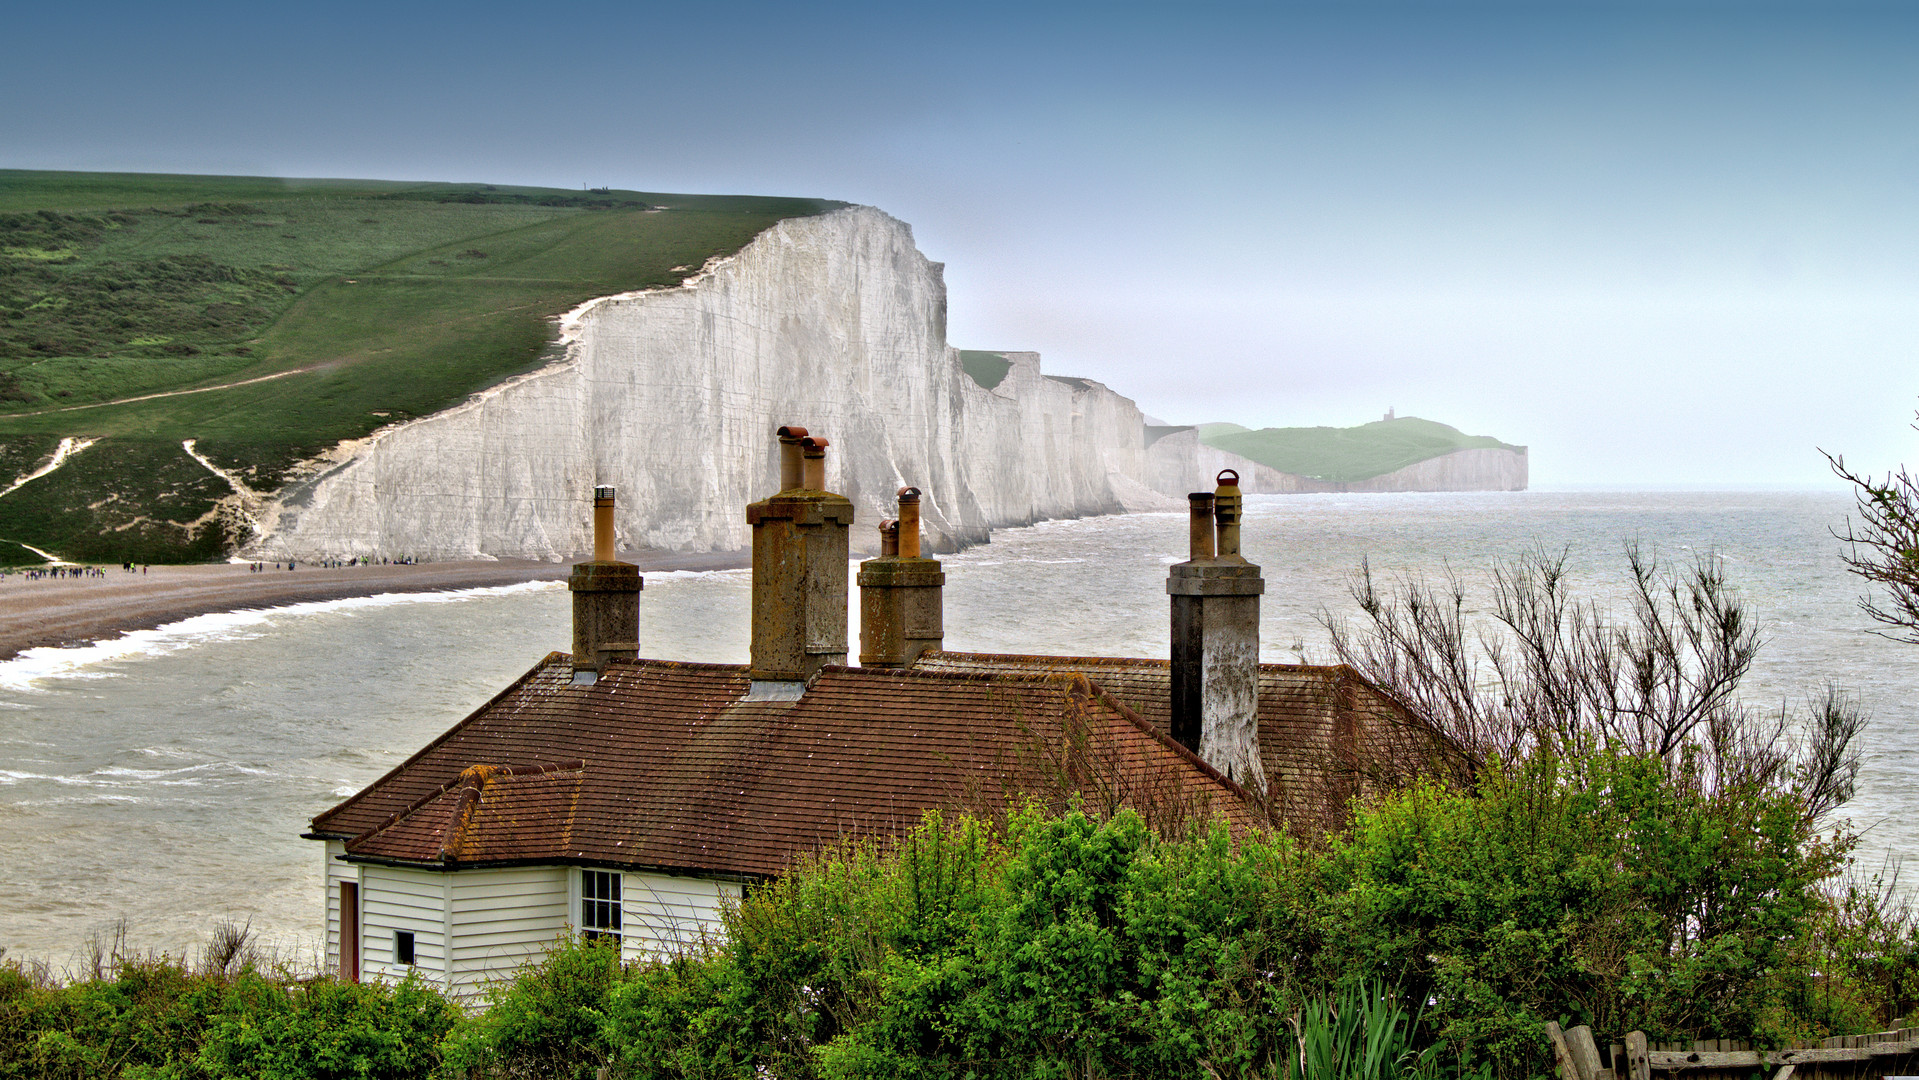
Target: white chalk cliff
835,322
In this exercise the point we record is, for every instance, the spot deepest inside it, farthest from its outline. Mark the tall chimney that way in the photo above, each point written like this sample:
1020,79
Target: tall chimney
800,552
1215,661
901,612
606,600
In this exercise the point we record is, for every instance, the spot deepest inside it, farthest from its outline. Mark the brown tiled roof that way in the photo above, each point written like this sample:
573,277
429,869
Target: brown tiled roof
663,765
508,812
1323,730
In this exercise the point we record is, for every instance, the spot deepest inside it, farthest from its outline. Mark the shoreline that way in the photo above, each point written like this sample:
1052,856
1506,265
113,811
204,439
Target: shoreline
73,612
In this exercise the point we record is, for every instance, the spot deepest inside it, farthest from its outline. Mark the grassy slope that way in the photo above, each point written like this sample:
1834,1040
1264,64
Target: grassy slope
371,301
1345,454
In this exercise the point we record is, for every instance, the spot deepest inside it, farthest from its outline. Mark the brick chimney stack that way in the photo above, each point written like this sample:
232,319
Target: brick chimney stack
1215,661
606,599
800,551
901,611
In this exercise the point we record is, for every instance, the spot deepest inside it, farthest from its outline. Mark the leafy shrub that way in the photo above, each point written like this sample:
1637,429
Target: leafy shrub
548,1020
326,1030
153,1019
1612,889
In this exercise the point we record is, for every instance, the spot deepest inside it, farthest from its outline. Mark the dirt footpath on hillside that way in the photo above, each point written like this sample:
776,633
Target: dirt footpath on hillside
77,610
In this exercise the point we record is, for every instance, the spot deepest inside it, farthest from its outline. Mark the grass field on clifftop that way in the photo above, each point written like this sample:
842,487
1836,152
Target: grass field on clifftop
1345,455
269,319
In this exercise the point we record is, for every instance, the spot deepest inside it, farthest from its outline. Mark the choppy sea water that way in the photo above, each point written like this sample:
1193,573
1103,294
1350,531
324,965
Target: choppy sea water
164,779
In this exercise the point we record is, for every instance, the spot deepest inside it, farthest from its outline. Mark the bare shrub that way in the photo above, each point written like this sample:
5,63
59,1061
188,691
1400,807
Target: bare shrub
230,950
1543,670
1883,547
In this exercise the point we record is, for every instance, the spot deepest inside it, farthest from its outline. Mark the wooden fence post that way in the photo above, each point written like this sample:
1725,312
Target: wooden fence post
1638,1064
1562,1054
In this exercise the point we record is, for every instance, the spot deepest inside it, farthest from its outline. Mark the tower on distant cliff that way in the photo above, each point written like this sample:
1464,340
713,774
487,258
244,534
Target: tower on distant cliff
1215,661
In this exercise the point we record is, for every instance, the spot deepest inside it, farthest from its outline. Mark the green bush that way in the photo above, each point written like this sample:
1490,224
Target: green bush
327,1030
155,1020
1613,891
547,1021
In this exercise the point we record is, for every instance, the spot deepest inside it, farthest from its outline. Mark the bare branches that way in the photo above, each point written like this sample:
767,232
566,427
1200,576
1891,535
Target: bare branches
1883,547
1543,670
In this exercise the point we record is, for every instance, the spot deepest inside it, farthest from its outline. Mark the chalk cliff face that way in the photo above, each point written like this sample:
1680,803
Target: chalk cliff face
836,322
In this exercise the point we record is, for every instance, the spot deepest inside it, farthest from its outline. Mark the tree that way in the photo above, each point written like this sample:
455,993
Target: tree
1883,547
1544,671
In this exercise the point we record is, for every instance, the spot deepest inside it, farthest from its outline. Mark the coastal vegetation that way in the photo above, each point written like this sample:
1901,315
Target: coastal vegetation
1346,455
270,319
1432,937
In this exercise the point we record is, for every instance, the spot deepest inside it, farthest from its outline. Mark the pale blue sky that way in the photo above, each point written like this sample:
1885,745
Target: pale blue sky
1659,243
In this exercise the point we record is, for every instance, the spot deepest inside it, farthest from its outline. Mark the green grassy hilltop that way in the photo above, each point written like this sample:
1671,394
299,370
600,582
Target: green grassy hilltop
1345,455
268,319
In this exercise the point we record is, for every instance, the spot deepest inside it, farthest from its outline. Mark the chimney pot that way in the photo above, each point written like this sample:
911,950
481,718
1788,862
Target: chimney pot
790,437
813,459
909,541
1199,526
604,535
889,538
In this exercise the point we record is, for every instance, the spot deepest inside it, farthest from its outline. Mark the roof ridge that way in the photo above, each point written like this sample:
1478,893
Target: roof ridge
689,665
1030,678
1042,658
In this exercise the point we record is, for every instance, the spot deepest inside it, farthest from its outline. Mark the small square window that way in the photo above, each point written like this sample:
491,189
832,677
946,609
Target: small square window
403,947
600,904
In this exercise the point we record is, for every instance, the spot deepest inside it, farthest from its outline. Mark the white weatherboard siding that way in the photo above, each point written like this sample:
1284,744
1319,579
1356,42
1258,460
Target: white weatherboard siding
664,914
394,899
336,872
499,920
502,919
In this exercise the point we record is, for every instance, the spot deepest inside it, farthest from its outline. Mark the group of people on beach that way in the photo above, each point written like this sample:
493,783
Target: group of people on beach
41,573
47,573
335,564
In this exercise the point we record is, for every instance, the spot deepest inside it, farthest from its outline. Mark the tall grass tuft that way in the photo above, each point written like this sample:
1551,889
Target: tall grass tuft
1361,1030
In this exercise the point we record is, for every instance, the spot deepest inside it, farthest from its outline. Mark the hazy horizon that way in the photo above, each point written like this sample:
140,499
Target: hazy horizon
1660,245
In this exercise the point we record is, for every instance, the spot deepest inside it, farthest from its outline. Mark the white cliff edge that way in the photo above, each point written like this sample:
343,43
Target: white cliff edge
835,322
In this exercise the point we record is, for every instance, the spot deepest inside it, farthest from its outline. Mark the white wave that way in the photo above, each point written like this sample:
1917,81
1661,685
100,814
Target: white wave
14,776
149,774
697,575
33,666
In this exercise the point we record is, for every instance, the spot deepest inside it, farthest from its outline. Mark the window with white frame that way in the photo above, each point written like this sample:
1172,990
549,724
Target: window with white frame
600,904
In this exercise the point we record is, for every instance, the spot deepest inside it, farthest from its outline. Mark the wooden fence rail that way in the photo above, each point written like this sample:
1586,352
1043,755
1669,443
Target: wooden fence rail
1843,1057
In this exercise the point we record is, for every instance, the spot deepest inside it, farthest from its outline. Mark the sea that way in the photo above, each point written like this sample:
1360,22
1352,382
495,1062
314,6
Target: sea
155,786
